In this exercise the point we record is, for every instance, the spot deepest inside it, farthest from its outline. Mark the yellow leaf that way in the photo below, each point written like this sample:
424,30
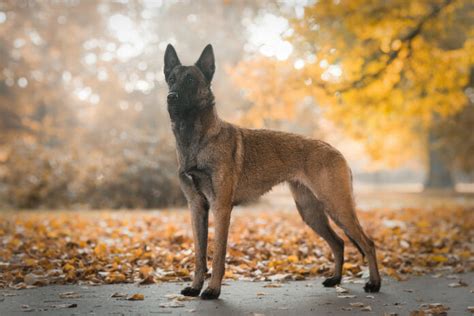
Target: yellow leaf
68,267
145,271
439,259
30,262
136,297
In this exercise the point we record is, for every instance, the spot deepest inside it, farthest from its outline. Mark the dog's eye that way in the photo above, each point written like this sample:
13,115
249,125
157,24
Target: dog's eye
172,80
190,79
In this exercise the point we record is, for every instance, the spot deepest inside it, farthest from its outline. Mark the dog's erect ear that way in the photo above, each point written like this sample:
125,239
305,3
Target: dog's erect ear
206,62
171,60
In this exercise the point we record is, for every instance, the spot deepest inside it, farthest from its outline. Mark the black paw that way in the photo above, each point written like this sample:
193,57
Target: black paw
190,291
210,294
331,282
372,287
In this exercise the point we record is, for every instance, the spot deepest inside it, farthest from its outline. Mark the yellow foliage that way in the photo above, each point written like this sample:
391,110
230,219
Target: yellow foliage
401,65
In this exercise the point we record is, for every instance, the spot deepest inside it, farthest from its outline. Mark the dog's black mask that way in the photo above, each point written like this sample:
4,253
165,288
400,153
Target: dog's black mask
189,86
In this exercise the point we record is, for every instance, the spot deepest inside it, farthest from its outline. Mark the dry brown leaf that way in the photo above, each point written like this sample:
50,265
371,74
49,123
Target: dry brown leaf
172,304
340,289
346,296
69,295
357,304
101,247
60,306
272,285
148,280
459,283
136,297
119,295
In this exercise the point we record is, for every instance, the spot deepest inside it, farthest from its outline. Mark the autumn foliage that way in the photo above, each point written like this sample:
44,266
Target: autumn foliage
147,247
387,73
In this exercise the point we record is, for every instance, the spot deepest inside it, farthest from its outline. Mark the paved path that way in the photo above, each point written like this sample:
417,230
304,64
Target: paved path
244,298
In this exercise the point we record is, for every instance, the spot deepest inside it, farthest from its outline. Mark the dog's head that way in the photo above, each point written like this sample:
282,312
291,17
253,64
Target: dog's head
189,86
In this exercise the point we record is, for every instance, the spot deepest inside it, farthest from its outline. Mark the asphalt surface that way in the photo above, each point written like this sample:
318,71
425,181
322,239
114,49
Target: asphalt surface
307,297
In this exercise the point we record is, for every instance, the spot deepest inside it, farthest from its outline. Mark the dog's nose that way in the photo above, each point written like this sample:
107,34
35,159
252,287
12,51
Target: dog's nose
172,96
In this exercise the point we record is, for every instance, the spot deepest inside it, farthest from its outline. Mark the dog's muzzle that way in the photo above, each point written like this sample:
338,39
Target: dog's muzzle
172,96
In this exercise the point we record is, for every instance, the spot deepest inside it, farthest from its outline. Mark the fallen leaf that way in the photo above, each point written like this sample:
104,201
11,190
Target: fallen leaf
69,295
103,247
272,285
394,224
459,283
26,308
136,297
34,279
366,308
148,280
431,309
180,297
340,289
172,304
59,306
119,295
279,277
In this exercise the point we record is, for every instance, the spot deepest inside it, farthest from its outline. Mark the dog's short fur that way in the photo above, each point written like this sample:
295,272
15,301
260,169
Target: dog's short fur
222,165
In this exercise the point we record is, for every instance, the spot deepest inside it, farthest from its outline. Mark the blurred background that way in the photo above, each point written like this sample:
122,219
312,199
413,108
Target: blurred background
83,119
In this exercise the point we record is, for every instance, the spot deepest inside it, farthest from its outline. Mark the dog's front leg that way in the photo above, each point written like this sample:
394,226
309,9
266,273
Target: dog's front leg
200,220
222,223
199,216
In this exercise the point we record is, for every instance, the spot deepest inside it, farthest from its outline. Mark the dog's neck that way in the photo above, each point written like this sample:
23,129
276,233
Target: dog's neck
191,128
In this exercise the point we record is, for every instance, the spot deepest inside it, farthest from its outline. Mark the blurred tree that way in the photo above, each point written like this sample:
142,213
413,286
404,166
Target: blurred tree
82,112
388,72
455,134
275,99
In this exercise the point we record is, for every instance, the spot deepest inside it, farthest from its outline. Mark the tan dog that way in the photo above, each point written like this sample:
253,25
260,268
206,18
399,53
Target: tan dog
222,165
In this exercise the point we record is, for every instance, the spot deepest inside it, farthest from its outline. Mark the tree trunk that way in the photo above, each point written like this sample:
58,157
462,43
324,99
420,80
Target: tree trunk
439,172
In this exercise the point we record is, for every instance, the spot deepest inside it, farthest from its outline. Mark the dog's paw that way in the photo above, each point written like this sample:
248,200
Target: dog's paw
331,282
372,287
210,294
190,291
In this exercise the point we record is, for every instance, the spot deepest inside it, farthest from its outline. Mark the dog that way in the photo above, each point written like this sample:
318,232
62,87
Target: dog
222,165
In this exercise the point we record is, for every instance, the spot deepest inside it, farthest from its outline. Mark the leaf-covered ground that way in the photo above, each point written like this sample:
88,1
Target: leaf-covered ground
39,248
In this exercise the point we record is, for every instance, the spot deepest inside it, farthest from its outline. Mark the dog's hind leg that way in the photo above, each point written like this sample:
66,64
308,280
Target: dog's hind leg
354,231
333,187
312,211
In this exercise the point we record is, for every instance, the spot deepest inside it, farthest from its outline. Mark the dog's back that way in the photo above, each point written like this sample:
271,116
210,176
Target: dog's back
271,157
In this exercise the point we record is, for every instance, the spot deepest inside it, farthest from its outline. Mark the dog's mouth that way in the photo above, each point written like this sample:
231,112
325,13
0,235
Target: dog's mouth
177,108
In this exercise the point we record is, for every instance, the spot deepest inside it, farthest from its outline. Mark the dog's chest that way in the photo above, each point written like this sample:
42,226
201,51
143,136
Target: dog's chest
195,167
202,181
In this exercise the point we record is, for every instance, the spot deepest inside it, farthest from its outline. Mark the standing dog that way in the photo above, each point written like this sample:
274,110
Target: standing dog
222,165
